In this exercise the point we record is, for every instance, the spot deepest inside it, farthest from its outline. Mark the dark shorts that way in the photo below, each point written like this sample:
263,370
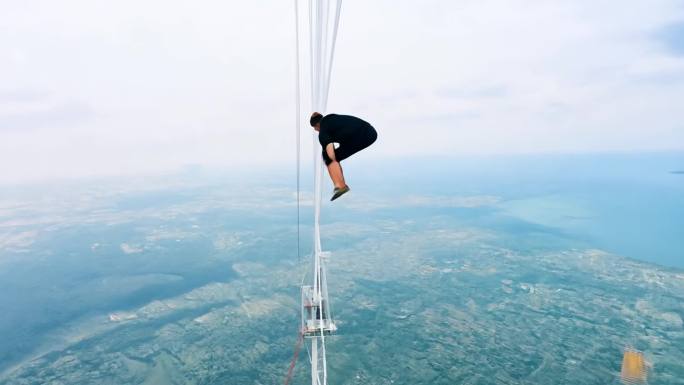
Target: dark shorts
347,148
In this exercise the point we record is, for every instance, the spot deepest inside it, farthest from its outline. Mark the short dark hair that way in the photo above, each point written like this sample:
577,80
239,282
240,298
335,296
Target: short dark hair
315,119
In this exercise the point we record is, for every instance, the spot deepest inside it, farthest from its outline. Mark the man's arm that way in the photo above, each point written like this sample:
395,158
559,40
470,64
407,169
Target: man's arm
330,150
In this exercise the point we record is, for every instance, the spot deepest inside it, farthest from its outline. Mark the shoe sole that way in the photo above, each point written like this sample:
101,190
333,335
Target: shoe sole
339,194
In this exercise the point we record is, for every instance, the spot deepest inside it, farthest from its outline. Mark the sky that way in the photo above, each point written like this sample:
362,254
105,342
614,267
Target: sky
95,87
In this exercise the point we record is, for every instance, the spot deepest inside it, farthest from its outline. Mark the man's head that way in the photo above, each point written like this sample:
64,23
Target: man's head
315,120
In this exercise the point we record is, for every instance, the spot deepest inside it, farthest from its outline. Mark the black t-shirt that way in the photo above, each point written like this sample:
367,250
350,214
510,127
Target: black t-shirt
340,128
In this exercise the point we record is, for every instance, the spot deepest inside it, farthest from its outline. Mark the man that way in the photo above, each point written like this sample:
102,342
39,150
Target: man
352,134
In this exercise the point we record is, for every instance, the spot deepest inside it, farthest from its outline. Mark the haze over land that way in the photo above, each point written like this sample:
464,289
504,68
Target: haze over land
504,273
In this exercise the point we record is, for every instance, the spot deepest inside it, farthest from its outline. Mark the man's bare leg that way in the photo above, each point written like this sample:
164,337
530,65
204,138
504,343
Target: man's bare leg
335,171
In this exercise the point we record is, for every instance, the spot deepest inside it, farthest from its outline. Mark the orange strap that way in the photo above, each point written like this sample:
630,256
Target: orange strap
300,338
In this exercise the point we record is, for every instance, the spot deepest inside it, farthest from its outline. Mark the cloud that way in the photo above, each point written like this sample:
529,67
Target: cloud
32,116
17,241
673,37
135,90
435,201
131,249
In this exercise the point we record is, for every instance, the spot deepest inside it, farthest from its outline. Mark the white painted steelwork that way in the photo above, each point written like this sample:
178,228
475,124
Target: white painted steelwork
317,319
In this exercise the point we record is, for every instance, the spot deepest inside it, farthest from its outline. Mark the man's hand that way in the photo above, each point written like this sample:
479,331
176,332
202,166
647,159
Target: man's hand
330,150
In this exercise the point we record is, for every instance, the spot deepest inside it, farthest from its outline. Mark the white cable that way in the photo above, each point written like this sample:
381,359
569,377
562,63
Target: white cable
297,120
332,51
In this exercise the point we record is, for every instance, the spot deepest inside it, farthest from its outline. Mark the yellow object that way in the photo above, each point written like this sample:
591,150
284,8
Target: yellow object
633,367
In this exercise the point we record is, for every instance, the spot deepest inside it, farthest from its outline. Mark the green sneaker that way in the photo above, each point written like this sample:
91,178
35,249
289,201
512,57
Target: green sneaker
338,192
